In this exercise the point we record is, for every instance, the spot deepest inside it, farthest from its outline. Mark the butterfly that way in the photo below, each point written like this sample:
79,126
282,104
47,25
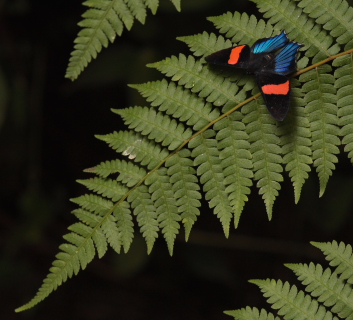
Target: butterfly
270,60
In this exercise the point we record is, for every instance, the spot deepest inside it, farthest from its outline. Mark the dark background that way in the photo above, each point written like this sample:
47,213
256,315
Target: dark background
47,128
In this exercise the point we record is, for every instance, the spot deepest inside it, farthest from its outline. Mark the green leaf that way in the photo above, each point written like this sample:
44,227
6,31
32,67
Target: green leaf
177,102
165,203
207,160
204,44
102,22
124,224
135,147
236,161
340,256
296,143
251,314
145,211
321,108
332,291
242,28
185,187
265,150
344,86
193,75
335,15
157,126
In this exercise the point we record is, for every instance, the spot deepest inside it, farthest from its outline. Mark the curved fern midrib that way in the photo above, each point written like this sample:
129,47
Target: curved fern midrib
93,36
303,31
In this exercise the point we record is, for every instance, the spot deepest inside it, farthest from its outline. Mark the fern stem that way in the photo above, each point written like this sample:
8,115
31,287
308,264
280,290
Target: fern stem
322,62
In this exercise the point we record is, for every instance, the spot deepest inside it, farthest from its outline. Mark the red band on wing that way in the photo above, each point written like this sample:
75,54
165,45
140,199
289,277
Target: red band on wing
235,55
282,88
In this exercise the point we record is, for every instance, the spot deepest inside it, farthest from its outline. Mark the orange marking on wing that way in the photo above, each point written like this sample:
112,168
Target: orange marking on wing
282,88
235,55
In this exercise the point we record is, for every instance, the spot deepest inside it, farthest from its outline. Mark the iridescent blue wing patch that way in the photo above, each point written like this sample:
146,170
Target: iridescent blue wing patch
285,61
270,44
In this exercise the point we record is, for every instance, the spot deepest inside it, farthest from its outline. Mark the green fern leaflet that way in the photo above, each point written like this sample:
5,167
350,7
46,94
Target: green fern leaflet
194,141
328,294
102,22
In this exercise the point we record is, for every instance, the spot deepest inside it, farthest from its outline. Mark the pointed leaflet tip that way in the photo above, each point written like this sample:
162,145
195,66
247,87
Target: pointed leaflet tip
269,207
226,231
323,184
176,4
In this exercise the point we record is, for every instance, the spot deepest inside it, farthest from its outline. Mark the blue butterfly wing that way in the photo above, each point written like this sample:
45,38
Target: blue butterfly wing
285,61
267,45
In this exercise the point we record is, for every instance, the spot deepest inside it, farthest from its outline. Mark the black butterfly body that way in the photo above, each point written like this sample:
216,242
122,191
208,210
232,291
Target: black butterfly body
270,60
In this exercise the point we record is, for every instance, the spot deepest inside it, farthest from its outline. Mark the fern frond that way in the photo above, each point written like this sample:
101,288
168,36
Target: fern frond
340,256
180,103
265,150
251,314
327,287
336,16
182,143
74,255
207,160
157,126
290,302
145,211
185,187
235,161
102,22
164,200
344,86
322,113
296,142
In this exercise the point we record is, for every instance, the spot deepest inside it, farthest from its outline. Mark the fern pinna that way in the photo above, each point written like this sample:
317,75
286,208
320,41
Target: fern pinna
329,293
194,141
102,22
